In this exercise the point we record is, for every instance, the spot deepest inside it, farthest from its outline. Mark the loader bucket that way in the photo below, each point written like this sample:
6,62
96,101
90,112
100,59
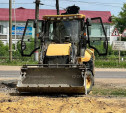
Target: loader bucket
51,80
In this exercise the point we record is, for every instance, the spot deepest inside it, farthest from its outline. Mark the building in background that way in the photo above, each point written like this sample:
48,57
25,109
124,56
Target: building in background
23,14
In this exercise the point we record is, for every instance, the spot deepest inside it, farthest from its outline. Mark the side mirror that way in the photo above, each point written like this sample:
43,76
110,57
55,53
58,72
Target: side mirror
23,46
35,24
88,21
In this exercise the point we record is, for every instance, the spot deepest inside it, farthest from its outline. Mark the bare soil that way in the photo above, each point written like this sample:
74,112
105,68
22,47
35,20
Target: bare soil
13,102
60,104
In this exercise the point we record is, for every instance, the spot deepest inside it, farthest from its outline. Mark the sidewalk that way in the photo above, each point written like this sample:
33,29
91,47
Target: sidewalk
10,68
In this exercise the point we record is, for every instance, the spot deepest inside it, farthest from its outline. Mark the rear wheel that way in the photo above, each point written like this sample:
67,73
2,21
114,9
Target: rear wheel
89,81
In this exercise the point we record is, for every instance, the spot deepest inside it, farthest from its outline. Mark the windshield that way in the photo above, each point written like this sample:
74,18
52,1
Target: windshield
60,31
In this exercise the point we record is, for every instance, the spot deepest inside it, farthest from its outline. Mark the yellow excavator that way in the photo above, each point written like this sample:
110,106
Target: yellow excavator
66,54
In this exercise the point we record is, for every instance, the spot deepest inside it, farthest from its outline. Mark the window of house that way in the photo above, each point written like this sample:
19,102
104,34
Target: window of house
1,29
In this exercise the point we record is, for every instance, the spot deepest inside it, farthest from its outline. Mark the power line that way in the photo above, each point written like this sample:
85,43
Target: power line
50,5
117,3
18,3
92,2
73,1
95,3
54,6
33,3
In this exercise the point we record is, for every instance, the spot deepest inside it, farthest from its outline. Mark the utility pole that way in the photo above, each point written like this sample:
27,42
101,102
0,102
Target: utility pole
36,54
15,25
10,30
57,6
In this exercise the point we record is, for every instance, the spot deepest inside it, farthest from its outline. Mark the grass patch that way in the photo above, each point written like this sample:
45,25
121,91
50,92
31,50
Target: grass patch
17,62
109,63
99,63
118,92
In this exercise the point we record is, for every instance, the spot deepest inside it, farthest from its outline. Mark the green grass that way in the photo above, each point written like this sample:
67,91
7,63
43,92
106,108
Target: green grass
98,63
101,62
118,92
109,64
16,62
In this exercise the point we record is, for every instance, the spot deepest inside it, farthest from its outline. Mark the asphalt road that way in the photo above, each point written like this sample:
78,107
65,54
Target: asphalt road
110,74
11,74
98,74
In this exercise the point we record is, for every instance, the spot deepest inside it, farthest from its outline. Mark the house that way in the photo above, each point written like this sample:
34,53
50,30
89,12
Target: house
23,14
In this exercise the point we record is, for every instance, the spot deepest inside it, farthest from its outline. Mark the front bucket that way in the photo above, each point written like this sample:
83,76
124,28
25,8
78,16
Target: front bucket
54,80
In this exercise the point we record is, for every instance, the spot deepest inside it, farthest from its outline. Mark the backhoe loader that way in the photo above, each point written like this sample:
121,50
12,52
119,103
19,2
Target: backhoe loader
66,54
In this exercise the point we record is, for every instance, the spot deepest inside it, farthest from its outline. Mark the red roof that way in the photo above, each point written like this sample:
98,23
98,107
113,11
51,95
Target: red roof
23,14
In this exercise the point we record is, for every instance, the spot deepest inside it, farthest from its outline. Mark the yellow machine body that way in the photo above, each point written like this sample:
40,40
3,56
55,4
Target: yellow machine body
61,78
58,49
63,17
88,54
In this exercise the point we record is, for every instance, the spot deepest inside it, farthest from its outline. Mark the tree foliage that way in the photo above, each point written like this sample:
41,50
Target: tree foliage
4,51
120,20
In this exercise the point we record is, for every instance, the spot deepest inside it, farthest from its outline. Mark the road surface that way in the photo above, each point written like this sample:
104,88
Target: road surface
98,74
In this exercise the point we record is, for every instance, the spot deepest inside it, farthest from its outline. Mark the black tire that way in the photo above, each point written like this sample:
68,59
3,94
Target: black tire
89,81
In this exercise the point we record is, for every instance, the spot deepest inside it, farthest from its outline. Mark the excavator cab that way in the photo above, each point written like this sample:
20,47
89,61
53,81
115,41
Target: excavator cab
65,30
66,64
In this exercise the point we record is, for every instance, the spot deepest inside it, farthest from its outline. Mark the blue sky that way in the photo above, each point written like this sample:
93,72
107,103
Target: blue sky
95,5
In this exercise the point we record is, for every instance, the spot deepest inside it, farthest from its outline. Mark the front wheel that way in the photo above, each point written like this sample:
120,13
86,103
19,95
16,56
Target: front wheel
89,81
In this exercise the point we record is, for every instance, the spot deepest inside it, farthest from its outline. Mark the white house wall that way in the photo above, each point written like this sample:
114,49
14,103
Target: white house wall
4,37
97,31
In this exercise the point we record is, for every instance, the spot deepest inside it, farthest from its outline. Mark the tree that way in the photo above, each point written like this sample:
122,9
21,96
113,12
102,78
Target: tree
3,49
120,20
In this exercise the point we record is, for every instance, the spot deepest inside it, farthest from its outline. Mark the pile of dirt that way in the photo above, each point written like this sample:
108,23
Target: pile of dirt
61,104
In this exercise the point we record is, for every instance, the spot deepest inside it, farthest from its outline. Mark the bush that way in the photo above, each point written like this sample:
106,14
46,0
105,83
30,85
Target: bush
4,50
123,38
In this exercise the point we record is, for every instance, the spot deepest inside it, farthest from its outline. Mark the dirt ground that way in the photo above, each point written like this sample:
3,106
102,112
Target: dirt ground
13,102
60,104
